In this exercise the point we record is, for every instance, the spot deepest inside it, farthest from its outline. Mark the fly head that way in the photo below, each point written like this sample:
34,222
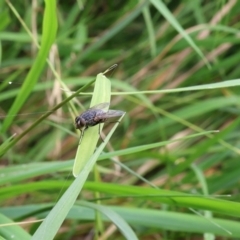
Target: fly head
80,123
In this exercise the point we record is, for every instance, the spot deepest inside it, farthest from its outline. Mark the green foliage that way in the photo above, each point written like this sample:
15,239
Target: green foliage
171,169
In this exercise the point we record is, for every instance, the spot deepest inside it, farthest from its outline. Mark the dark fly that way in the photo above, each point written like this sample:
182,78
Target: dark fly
95,115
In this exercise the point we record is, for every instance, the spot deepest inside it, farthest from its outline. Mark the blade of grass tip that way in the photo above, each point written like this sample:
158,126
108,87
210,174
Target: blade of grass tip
48,37
51,224
87,144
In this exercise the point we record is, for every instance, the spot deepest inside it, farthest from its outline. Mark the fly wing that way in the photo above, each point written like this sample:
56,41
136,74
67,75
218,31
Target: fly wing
100,105
112,114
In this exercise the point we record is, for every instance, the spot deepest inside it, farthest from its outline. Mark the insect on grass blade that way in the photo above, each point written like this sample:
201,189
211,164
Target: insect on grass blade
93,116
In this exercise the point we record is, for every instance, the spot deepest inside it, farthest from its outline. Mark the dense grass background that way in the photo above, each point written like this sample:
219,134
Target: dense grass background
166,173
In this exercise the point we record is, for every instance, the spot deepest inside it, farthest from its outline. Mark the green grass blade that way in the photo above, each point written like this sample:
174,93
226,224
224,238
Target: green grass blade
101,94
173,198
49,30
11,230
174,221
150,29
49,227
113,30
4,145
33,170
122,225
150,146
38,121
129,90
168,15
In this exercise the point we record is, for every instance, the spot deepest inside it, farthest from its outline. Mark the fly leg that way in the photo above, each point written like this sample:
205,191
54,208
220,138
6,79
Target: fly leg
99,132
82,134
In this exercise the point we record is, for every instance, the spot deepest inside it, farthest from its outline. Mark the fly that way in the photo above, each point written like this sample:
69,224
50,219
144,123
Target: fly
95,115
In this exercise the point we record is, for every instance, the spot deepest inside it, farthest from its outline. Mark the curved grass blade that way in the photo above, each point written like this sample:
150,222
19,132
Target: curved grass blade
49,227
129,90
101,94
174,198
122,225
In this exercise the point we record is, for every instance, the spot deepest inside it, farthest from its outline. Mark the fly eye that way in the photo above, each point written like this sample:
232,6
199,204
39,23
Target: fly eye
79,121
76,119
